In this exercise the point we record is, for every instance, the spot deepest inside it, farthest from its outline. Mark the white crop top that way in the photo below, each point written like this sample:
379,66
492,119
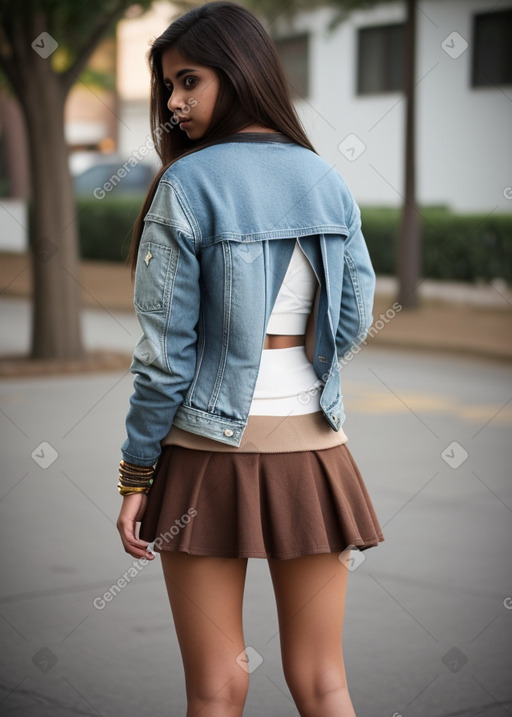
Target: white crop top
295,298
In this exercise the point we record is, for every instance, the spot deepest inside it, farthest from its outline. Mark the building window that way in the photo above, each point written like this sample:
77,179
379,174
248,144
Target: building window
294,55
492,56
380,59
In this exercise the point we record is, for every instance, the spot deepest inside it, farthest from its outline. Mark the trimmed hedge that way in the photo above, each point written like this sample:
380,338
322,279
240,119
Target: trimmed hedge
464,247
105,227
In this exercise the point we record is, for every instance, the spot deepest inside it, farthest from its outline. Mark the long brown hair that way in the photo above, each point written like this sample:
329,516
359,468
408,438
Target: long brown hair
229,39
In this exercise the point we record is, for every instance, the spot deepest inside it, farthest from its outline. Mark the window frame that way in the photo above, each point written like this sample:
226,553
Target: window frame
297,93
388,89
478,51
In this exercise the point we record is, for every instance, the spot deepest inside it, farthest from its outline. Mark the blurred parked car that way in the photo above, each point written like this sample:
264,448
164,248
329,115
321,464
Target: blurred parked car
114,178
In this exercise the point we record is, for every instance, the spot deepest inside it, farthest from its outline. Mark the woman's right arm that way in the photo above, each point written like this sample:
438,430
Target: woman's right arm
167,301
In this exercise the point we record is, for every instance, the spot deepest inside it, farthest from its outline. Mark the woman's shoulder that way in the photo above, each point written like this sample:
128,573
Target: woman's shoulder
239,155
256,188
258,179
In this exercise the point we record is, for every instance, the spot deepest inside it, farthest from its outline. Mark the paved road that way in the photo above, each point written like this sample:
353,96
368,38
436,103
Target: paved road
115,330
429,619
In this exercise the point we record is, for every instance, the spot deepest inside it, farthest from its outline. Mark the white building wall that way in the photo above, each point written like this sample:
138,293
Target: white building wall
13,225
464,152
465,133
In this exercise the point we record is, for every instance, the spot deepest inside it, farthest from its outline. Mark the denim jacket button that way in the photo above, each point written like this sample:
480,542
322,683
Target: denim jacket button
228,432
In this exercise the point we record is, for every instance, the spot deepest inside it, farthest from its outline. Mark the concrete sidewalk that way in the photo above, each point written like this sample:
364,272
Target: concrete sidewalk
453,317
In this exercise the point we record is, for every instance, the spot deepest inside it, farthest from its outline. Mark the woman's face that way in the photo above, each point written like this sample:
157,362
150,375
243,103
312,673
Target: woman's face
194,89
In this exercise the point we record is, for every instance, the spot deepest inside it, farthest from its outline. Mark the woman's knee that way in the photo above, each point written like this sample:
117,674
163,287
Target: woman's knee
224,688
315,684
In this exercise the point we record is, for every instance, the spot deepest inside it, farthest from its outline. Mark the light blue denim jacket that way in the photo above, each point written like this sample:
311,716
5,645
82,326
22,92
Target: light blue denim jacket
215,247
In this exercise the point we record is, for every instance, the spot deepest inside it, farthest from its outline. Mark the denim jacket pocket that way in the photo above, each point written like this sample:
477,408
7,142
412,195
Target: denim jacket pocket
156,263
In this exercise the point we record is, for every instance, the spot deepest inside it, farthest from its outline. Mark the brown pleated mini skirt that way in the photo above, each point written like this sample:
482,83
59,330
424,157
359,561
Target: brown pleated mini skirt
257,501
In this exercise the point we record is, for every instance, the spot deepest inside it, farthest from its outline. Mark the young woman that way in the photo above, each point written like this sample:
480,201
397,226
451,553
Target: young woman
252,280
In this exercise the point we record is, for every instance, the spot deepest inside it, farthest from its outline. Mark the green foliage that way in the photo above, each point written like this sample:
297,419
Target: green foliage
272,9
77,27
95,78
455,247
105,226
68,22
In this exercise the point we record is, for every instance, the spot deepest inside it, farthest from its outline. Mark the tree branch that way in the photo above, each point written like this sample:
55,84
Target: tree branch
13,56
72,73
8,68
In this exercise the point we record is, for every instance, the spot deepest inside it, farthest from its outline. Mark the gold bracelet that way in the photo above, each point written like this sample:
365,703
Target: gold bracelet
124,490
133,474
135,479
132,477
135,465
132,468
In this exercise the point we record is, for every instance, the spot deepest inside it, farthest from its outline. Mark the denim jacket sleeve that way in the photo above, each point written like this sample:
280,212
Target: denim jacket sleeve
167,301
358,290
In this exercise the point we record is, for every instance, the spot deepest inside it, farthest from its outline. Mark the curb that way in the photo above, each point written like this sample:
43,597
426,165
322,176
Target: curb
21,366
453,349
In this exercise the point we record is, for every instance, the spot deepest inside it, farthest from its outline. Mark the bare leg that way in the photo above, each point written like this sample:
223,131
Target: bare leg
310,597
206,595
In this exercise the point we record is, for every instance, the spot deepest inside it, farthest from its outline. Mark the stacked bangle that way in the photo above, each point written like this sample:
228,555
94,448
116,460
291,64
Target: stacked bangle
134,479
123,490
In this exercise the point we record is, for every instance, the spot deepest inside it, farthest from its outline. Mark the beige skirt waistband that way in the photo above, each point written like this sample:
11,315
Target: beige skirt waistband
268,434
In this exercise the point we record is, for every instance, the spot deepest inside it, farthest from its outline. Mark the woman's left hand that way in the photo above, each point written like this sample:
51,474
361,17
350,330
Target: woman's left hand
132,510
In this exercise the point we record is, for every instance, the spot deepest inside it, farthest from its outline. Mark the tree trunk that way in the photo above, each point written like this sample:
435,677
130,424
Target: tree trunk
53,227
14,146
409,243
